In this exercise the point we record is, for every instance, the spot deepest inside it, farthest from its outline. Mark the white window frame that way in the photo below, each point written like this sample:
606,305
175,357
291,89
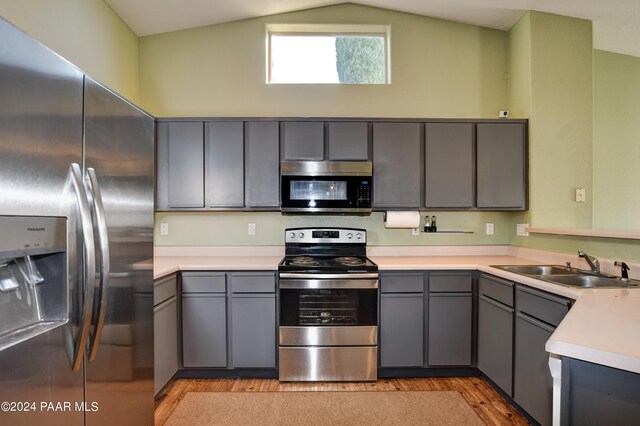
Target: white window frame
330,30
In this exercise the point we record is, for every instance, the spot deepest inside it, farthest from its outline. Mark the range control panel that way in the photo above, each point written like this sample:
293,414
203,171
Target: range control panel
325,235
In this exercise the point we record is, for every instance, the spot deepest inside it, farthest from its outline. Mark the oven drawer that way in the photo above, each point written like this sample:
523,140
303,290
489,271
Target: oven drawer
328,336
336,364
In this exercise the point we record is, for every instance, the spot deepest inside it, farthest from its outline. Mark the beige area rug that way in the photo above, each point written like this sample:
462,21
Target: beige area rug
323,408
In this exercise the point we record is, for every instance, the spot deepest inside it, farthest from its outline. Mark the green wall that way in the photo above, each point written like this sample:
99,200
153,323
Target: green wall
85,32
438,69
230,229
560,84
616,147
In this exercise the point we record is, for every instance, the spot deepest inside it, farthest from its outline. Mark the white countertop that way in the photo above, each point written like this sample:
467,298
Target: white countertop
603,326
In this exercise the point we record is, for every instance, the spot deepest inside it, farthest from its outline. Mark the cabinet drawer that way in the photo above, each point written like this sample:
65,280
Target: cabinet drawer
541,305
203,282
496,289
402,283
253,282
164,289
450,283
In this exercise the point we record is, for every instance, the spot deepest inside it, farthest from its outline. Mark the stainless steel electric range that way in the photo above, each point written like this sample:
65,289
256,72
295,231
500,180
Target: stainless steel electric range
328,306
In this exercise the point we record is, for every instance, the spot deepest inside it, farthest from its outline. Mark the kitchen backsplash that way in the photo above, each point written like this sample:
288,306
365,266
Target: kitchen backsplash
231,228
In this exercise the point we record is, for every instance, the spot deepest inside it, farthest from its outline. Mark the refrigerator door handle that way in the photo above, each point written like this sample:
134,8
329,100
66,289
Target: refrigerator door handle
89,267
105,267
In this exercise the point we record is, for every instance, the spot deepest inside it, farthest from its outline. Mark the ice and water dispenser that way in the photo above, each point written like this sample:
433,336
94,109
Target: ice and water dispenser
34,290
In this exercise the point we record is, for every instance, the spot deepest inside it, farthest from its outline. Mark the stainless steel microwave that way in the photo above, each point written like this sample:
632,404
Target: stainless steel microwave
342,187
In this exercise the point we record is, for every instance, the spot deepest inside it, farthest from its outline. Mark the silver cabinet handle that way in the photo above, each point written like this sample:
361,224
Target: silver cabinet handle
89,269
105,265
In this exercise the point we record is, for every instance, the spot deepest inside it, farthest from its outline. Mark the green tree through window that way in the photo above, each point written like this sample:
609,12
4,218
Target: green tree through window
360,60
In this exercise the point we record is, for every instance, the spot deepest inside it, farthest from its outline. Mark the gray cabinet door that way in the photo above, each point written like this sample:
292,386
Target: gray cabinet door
204,330
449,165
303,140
396,165
348,141
495,342
262,164
165,343
253,331
532,382
225,164
180,165
501,171
401,330
450,326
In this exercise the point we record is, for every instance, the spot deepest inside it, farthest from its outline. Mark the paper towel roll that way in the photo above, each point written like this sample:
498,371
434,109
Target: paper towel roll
402,220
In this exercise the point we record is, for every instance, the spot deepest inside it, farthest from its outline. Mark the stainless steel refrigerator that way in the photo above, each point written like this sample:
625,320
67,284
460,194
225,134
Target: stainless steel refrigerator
76,244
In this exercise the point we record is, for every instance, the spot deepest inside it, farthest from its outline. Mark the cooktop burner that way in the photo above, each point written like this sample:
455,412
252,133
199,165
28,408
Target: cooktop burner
326,251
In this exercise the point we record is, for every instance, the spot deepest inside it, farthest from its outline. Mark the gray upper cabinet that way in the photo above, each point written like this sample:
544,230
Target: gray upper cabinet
501,166
180,165
396,165
303,140
449,165
262,164
348,141
225,180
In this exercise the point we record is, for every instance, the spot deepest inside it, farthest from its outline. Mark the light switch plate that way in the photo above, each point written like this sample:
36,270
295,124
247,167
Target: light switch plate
581,195
415,231
251,229
521,229
489,228
164,229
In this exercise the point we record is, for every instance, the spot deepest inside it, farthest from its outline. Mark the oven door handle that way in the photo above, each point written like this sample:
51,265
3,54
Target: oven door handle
355,276
307,284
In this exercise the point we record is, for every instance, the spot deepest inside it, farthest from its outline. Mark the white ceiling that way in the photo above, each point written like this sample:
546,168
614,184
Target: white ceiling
616,23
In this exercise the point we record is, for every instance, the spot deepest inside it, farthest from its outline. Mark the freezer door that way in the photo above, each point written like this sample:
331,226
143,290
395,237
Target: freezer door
40,136
119,149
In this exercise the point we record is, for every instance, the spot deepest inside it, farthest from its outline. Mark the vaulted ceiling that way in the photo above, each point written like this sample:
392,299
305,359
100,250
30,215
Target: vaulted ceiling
616,23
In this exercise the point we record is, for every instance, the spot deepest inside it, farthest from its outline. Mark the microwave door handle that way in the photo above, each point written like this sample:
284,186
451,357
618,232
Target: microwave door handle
89,265
105,265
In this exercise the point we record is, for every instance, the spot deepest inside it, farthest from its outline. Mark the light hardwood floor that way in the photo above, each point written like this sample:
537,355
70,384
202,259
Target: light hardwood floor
485,401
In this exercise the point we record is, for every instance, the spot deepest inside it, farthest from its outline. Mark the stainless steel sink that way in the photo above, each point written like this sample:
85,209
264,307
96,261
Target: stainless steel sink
588,281
536,269
568,277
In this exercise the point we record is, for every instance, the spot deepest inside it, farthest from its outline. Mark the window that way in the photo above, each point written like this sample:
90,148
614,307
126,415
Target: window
327,54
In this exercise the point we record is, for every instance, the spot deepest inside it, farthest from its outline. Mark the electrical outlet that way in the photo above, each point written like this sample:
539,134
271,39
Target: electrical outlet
251,229
581,195
164,229
522,229
489,228
415,231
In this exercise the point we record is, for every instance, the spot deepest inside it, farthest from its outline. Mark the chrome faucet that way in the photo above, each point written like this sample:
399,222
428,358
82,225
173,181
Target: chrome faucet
592,261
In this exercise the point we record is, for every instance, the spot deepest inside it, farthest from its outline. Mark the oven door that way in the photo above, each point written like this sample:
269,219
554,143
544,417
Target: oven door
339,194
328,312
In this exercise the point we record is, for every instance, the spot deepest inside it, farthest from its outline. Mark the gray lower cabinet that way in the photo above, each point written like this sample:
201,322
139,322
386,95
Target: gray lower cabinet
501,166
302,140
396,165
204,319
594,395
449,169
262,164
401,319
229,319
495,331
253,320
165,331
180,165
225,161
537,315
450,318
401,330
348,141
